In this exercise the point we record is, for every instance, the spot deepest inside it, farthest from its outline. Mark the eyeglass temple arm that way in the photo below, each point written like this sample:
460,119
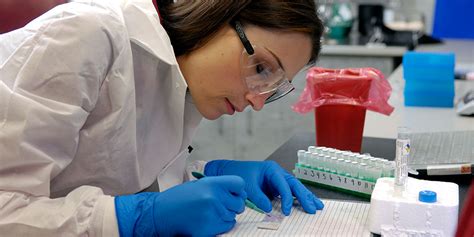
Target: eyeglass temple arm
240,31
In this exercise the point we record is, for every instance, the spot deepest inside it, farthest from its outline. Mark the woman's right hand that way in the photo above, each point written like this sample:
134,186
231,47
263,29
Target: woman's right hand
204,207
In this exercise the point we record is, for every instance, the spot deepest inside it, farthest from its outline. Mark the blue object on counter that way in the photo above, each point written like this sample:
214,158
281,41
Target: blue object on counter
429,79
427,196
453,19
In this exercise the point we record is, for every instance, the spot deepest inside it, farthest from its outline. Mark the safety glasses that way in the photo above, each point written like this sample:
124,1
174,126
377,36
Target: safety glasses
261,71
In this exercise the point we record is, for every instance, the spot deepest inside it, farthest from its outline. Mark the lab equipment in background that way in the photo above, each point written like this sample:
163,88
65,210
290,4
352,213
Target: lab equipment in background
402,20
340,21
425,208
465,106
340,98
429,79
390,26
453,19
344,171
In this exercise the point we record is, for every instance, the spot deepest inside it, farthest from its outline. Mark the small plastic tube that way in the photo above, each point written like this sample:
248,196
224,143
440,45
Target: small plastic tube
362,171
359,157
392,168
318,149
327,163
386,168
347,167
374,173
365,159
307,157
314,160
300,155
370,173
334,165
324,151
338,154
311,149
340,166
345,155
331,153
377,162
377,173
321,162
355,169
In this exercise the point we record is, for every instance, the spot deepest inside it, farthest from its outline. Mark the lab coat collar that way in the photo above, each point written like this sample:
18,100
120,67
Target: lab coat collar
144,29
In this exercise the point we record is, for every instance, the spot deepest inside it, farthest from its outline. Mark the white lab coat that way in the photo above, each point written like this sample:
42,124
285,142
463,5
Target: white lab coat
92,105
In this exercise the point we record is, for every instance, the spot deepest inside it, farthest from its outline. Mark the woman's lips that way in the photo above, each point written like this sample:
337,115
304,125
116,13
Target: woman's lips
230,107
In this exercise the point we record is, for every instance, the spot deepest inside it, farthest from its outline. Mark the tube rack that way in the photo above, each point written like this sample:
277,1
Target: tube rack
341,170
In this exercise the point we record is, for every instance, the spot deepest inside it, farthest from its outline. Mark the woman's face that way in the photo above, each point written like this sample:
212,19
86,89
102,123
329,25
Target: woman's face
214,71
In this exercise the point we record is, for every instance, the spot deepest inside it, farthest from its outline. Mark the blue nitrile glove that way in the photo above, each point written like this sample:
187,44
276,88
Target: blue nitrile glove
203,207
265,180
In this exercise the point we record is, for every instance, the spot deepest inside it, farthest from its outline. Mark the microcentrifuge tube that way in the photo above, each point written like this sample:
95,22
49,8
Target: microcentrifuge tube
300,155
402,152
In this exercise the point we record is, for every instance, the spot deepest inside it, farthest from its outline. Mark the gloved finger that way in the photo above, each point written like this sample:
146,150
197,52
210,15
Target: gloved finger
306,198
234,203
224,213
223,227
278,181
231,183
259,198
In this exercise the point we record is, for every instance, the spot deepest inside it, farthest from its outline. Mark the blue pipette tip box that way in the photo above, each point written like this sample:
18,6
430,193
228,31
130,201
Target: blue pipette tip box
429,79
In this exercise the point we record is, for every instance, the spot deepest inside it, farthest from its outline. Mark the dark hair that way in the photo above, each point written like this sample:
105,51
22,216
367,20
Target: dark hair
191,23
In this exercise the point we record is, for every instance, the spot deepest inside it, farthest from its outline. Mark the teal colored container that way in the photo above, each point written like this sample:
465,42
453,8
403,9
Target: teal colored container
429,79
428,100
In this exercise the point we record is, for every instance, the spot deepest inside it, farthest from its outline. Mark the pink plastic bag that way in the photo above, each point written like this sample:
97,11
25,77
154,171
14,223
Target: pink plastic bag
345,87
340,99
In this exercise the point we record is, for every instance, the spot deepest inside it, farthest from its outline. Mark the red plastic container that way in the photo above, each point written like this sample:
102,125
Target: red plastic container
341,126
339,99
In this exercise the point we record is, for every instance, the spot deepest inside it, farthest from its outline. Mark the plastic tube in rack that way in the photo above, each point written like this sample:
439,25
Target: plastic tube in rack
401,159
300,155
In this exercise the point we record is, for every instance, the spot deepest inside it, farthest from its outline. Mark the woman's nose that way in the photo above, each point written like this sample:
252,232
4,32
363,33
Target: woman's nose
256,101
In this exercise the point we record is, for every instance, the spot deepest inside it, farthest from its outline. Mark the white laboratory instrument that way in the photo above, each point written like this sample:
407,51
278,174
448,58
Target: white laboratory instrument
404,206
425,208
465,106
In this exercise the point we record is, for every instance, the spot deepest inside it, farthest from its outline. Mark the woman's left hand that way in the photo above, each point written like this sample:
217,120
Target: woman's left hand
265,180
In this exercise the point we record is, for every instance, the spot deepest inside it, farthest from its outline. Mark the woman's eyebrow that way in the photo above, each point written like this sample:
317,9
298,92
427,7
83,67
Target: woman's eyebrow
277,58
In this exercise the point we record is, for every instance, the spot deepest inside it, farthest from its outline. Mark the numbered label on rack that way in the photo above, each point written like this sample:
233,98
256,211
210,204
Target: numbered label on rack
335,180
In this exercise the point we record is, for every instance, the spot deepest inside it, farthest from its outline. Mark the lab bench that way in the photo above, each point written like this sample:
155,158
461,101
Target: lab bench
286,156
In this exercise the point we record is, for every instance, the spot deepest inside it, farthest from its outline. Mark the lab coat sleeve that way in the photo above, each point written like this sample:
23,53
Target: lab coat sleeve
51,73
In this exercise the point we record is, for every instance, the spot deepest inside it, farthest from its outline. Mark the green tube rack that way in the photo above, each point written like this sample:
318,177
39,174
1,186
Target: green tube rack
342,171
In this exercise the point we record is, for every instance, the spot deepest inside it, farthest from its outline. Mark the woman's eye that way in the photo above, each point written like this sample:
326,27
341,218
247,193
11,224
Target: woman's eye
263,70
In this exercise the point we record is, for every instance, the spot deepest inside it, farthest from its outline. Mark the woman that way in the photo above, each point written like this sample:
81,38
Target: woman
100,99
